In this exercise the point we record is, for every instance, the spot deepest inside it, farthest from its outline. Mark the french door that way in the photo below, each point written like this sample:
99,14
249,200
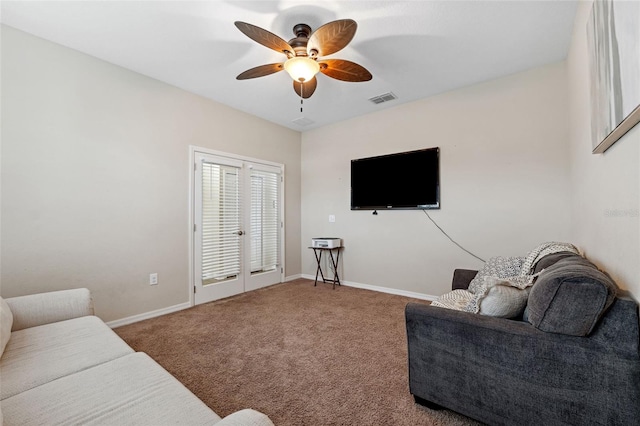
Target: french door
237,226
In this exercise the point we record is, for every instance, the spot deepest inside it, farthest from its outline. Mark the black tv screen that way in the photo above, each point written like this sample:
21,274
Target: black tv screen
406,180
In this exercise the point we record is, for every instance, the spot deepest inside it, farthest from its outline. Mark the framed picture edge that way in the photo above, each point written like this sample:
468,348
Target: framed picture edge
621,129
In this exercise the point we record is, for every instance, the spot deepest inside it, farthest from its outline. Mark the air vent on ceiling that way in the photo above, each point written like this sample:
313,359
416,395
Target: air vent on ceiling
303,121
385,97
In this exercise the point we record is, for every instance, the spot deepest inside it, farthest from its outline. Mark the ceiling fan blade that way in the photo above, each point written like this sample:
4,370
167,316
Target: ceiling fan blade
265,38
305,90
331,37
341,69
260,71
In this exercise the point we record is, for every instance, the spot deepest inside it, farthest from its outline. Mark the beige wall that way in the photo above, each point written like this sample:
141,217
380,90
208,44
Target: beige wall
95,176
504,181
606,200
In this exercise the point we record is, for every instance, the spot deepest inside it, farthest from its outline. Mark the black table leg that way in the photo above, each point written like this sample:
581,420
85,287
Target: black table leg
336,278
318,255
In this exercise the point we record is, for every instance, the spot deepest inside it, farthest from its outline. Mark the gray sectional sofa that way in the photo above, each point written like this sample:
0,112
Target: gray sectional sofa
62,365
574,359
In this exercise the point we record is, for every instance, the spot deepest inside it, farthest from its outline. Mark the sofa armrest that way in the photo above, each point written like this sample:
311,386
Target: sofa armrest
44,308
462,278
246,417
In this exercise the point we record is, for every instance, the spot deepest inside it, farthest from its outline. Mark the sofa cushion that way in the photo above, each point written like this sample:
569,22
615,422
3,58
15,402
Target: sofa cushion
551,259
6,321
38,355
501,267
132,390
569,297
543,250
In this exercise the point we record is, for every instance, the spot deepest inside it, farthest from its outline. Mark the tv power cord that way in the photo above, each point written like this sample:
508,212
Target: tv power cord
451,239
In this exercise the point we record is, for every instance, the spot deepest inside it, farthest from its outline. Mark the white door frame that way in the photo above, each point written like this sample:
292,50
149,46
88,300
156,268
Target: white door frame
191,230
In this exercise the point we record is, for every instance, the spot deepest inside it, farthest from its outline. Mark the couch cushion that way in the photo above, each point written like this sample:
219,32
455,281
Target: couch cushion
569,297
541,251
41,354
6,321
132,390
551,259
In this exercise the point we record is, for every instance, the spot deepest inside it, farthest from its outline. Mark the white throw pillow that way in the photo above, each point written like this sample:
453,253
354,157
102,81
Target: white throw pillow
6,322
500,297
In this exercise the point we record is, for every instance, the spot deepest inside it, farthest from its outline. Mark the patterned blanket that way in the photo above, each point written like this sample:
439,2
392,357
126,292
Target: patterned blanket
541,251
515,272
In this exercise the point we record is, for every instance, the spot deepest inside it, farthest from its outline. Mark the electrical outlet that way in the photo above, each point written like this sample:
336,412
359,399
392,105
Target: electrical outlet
153,279
332,218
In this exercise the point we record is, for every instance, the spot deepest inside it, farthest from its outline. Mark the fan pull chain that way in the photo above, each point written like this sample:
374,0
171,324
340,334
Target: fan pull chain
301,96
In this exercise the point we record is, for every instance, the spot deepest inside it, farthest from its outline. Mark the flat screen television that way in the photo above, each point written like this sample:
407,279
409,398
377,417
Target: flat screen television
406,180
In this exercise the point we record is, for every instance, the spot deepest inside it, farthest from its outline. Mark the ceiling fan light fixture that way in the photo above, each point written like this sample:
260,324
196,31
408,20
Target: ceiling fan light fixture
301,68
303,53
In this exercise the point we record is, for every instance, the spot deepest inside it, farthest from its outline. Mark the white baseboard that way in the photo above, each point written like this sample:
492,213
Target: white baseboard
148,315
292,277
387,290
168,310
185,305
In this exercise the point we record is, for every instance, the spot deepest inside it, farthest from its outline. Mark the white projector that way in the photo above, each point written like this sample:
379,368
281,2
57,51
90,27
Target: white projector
325,242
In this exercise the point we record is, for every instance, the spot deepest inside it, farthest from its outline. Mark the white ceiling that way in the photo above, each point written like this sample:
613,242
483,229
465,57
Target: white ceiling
414,49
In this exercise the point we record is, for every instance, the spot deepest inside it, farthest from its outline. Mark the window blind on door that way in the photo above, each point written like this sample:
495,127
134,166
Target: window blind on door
265,221
220,221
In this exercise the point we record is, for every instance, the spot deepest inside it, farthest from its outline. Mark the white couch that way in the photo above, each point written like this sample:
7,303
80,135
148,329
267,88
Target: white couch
63,365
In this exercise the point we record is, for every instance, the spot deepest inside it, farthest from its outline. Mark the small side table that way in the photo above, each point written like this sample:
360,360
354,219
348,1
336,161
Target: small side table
317,251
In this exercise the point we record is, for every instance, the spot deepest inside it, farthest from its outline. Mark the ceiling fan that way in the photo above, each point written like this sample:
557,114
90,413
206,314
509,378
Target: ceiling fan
304,52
